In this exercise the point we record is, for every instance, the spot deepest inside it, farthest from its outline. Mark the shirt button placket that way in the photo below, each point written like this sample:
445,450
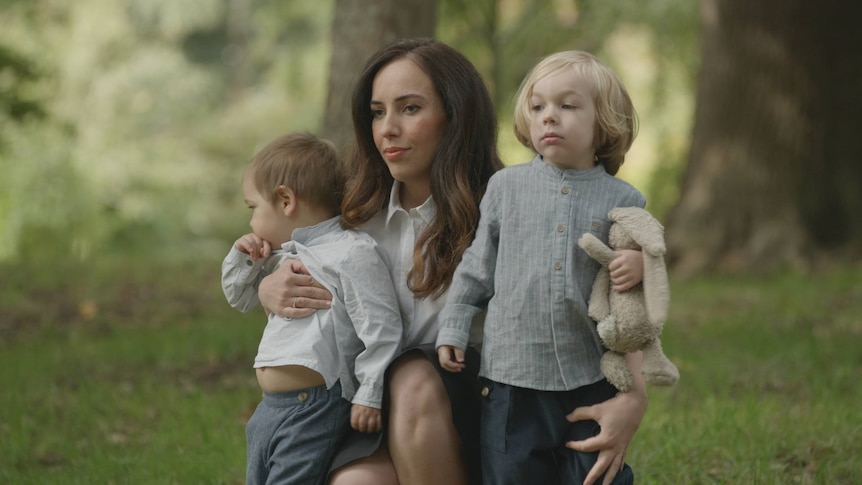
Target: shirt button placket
561,228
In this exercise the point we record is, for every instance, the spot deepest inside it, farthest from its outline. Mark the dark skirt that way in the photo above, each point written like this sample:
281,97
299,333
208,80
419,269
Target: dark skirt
464,395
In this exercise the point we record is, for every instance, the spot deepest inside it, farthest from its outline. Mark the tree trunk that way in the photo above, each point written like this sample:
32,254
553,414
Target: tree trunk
359,29
774,176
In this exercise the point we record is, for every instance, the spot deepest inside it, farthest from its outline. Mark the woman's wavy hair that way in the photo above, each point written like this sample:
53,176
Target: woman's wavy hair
465,159
616,119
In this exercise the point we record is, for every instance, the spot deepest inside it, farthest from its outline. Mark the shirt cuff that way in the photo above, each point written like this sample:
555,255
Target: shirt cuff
247,268
371,396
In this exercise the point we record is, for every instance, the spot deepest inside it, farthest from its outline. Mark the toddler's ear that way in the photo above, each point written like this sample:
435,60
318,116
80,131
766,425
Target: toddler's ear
286,199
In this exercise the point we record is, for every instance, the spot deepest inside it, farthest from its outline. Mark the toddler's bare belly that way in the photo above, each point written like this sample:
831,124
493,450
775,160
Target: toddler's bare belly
288,378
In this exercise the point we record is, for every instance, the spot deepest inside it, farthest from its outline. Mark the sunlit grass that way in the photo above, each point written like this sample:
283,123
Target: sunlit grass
138,372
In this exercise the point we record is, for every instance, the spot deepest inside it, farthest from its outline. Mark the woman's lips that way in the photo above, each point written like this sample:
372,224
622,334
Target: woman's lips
394,153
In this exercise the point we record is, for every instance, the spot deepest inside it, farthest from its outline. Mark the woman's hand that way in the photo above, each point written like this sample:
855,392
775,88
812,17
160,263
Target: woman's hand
627,269
618,419
291,292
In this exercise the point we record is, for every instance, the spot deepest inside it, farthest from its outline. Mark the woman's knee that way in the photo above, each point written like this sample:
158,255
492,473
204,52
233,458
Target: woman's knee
415,387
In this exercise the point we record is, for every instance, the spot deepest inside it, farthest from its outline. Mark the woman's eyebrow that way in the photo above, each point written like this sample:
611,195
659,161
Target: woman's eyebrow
401,98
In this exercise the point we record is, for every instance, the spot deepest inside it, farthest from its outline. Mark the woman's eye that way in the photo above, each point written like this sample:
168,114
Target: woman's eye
411,108
376,113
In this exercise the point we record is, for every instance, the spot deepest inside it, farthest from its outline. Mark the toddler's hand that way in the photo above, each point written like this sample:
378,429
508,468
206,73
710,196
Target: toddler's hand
365,419
254,246
451,358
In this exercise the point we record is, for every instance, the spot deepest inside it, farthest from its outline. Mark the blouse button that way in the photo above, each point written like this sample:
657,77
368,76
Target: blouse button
565,190
560,228
558,266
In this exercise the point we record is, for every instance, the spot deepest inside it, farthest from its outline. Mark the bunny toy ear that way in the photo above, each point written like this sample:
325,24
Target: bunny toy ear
656,288
648,233
642,227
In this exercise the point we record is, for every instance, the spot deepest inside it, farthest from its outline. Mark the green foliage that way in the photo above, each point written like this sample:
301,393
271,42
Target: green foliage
134,370
150,108
153,109
16,73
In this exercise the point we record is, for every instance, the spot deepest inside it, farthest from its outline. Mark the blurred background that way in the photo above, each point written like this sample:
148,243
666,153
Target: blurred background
126,123
125,126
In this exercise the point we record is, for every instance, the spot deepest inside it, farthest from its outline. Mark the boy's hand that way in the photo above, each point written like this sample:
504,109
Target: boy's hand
254,246
627,269
365,419
451,358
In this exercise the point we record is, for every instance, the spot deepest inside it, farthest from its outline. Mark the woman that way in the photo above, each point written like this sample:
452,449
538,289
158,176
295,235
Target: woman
426,135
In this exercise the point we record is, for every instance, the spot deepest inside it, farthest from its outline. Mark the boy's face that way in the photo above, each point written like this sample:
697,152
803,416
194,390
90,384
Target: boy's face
268,220
563,120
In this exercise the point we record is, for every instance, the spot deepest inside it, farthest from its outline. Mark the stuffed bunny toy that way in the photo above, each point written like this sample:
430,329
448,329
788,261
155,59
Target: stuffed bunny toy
632,320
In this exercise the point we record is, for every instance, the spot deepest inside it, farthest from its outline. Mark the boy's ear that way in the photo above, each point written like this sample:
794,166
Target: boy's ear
286,201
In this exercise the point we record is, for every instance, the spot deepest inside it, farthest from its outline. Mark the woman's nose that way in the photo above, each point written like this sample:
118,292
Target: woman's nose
388,125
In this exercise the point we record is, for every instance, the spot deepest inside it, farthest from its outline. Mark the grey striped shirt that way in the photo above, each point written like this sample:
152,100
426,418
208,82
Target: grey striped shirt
526,266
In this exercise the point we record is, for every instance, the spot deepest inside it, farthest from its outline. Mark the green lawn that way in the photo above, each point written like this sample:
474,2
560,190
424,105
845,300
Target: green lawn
138,372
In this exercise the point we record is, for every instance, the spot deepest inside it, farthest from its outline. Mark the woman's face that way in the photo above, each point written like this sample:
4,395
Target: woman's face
408,121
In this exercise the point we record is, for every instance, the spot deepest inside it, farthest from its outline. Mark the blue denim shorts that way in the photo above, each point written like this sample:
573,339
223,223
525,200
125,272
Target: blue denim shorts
293,436
524,431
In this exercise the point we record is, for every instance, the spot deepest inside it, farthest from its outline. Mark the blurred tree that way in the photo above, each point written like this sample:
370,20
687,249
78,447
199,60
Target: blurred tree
360,28
152,109
774,174
15,74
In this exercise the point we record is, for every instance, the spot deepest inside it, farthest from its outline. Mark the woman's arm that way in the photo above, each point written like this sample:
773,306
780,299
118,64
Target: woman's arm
619,419
291,292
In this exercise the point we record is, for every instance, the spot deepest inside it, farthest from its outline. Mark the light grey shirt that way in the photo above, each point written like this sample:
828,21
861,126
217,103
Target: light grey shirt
525,265
354,340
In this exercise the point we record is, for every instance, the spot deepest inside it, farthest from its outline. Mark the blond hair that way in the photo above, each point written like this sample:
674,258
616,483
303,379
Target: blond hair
616,119
302,162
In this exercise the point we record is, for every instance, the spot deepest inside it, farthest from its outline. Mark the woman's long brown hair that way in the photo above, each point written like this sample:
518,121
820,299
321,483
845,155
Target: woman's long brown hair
465,160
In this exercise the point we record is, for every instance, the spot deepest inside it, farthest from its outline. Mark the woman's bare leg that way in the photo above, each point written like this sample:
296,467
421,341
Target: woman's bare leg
376,469
423,442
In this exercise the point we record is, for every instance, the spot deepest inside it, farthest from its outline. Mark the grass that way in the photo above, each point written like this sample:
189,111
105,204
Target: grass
769,392
138,372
